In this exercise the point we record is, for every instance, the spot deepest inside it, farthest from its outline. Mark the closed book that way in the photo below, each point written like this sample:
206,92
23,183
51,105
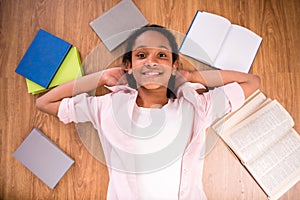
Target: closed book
43,158
43,58
70,69
115,26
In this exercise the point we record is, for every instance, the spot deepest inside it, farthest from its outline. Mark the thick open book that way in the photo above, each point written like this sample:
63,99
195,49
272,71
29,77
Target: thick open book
261,135
213,40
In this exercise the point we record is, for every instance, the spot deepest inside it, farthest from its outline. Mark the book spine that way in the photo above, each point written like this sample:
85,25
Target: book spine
189,29
60,62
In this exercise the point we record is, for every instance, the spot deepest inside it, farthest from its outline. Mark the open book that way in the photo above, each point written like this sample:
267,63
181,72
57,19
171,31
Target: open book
213,40
261,135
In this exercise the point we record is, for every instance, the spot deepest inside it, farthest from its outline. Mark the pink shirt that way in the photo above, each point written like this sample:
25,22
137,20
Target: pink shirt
127,144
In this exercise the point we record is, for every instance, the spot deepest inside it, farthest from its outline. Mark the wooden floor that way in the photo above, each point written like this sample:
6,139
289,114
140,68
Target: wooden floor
277,63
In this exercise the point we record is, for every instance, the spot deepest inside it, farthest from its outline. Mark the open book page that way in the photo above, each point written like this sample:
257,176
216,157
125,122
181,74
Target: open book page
205,37
278,169
258,131
192,49
251,150
249,107
238,50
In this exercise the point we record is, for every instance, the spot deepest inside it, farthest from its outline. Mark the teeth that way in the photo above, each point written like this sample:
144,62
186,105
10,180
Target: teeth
151,73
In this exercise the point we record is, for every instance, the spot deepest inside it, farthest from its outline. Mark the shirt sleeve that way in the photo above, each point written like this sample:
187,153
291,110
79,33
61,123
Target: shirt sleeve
223,100
81,108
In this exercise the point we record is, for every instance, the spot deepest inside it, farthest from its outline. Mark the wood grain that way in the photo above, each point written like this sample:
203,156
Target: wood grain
277,63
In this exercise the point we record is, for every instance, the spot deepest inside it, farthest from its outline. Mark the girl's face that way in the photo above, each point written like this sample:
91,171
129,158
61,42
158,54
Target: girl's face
152,60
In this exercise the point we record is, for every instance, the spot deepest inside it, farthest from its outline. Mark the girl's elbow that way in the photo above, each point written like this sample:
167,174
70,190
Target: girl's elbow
45,106
251,85
40,104
256,81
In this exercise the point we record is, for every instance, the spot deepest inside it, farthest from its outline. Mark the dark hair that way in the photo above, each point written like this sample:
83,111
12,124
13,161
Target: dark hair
127,57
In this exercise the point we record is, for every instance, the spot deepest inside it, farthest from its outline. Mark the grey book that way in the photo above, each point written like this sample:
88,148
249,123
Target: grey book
43,158
115,26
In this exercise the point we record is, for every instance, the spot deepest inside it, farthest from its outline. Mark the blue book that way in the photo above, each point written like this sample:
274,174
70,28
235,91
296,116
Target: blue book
43,58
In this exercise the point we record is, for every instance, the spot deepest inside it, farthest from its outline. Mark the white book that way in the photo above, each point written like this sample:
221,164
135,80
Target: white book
43,158
115,26
213,40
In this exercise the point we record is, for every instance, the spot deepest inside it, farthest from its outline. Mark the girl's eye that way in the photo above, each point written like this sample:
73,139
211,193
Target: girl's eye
162,55
141,55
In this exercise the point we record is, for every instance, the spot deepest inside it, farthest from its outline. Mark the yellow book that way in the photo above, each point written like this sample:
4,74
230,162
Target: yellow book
70,69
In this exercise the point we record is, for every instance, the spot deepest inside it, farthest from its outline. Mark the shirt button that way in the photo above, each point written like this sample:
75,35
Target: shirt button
181,192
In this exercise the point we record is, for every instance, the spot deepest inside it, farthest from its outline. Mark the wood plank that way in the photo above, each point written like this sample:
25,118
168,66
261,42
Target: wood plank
277,63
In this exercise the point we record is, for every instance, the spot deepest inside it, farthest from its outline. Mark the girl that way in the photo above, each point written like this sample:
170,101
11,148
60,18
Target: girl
152,130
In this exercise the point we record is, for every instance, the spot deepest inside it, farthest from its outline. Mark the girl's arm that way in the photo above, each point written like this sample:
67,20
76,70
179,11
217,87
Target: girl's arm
215,78
50,101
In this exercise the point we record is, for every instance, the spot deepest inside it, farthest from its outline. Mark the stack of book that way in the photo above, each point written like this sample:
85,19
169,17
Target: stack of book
48,62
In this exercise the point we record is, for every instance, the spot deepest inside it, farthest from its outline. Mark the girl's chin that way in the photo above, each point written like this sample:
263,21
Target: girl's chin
151,86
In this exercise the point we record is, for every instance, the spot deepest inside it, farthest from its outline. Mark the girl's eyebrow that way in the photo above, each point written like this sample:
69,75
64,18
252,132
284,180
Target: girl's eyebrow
145,47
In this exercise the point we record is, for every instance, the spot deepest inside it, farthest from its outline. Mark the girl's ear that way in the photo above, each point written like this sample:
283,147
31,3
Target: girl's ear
128,67
175,67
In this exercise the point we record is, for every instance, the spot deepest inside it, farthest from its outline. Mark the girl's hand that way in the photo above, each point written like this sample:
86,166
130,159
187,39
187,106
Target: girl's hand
187,76
113,76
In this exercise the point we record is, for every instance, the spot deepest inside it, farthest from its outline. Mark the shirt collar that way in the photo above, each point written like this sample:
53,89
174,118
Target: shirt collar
124,88
127,89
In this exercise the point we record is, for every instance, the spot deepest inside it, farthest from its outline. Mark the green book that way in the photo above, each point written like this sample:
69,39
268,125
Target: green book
70,69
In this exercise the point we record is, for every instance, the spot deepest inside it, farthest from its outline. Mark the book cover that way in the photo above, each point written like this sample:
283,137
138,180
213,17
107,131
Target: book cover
213,40
70,69
43,158
115,26
43,58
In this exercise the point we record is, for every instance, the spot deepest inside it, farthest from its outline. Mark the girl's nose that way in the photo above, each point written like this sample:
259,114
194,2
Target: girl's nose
151,65
151,61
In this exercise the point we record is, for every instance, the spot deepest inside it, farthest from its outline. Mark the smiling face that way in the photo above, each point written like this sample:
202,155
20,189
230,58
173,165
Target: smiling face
151,62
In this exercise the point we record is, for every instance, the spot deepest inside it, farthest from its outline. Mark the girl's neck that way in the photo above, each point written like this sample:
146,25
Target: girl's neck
152,98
